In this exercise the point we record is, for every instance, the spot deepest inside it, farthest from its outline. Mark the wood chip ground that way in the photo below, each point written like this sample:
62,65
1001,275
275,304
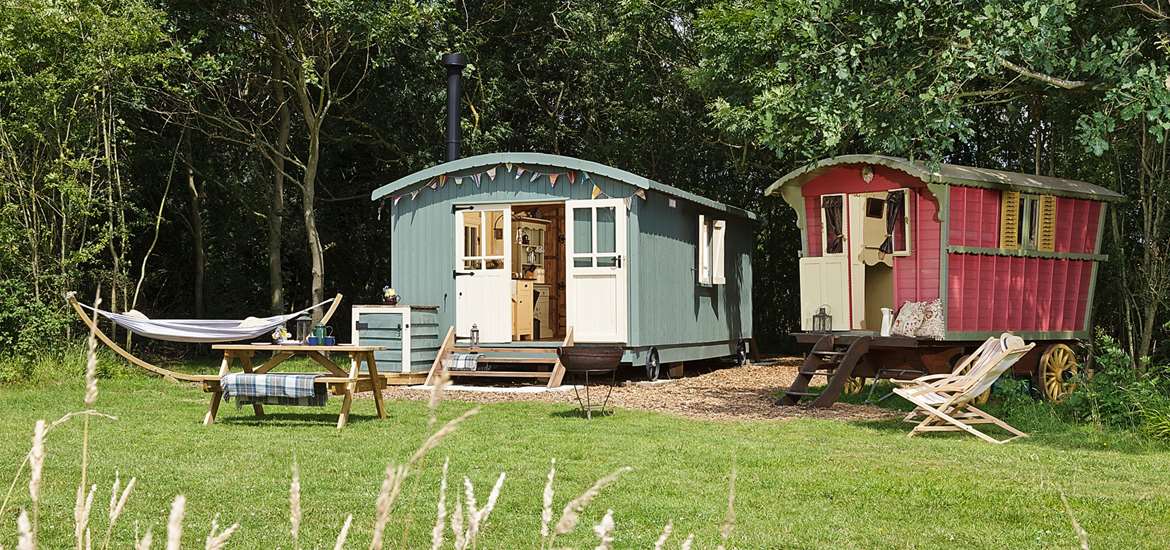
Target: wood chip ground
709,391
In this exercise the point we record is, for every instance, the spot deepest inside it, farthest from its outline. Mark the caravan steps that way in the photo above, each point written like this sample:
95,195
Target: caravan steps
538,361
832,360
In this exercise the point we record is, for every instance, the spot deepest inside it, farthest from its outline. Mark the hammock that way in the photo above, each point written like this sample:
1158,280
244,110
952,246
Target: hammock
174,329
199,330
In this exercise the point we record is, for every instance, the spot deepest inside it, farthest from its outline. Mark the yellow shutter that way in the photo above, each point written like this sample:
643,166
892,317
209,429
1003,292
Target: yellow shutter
1046,233
1009,219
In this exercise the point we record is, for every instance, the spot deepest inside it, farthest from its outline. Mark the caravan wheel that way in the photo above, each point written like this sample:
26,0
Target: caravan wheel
653,366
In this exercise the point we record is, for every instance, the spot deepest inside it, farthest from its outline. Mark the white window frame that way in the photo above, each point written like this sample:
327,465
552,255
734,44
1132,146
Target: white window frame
825,226
711,265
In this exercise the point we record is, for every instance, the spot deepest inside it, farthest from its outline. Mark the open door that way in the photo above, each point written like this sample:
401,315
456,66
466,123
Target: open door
595,270
483,281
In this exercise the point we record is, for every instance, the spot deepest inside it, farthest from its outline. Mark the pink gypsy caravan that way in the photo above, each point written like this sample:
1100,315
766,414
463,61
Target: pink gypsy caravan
944,256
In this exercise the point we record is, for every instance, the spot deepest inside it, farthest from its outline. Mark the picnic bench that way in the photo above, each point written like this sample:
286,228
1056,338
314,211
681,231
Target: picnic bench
338,381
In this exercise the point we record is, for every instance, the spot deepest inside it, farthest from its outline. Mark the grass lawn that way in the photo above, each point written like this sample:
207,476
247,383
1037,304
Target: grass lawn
801,483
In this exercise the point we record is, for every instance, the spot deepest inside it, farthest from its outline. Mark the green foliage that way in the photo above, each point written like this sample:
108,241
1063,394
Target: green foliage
27,325
1118,395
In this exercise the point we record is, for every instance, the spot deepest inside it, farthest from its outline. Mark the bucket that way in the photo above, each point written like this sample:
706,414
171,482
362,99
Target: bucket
887,320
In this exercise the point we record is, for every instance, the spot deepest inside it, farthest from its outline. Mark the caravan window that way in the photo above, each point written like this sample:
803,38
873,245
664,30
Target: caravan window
832,218
1027,222
711,269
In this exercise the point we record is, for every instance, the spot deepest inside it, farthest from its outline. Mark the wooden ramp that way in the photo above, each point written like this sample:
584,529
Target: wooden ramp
537,362
835,361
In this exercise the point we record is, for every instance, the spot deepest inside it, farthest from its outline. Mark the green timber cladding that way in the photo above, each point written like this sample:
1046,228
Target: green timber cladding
668,309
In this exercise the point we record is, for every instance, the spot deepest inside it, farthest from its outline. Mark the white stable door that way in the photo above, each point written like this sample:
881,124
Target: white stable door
596,270
483,279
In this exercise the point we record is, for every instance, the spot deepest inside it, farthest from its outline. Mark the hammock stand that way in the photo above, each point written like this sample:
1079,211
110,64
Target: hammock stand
165,373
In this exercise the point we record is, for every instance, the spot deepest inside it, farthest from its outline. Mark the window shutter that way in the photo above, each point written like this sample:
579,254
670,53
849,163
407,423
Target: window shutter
704,263
1009,219
718,230
1046,233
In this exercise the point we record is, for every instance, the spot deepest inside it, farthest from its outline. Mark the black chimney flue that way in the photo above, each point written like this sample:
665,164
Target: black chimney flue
454,62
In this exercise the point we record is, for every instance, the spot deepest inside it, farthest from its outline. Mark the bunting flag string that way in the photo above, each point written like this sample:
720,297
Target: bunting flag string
518,170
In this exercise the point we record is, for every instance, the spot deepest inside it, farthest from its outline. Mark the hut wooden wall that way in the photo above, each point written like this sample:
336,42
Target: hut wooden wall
993,291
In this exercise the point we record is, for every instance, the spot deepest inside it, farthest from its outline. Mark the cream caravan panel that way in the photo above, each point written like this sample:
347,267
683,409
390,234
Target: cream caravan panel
824,281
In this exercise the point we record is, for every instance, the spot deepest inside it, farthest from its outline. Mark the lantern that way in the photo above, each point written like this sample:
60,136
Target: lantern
474,335
822,321
304,325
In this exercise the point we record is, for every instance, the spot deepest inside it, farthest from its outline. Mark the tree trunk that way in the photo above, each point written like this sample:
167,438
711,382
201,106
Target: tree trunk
276,202
196,213
309,191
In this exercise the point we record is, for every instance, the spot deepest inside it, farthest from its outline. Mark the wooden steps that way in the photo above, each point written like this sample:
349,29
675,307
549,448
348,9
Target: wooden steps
538,357
828,359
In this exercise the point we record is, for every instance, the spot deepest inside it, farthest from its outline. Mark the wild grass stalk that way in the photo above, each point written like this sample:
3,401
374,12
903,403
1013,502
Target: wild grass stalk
294,505
604,531
175,523
661,542
344,533
440,510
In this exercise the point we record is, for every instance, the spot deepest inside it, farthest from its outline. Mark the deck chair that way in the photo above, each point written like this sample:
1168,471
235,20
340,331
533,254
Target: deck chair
944,402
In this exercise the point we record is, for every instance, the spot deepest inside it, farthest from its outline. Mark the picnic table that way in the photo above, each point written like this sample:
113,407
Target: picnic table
338,380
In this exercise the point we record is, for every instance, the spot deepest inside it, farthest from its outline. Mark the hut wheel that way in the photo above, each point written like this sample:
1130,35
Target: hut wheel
854,385
1058,368
741,353
653,365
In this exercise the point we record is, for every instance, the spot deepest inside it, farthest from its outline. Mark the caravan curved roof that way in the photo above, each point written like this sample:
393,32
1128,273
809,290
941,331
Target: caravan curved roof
953,174
421,177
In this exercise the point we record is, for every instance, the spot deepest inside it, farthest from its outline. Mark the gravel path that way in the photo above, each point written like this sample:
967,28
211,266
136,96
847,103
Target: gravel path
707,391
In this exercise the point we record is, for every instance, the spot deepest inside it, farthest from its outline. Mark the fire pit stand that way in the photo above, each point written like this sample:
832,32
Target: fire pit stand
591,360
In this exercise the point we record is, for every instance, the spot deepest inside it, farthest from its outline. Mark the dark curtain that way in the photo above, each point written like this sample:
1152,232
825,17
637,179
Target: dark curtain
833,207
895,202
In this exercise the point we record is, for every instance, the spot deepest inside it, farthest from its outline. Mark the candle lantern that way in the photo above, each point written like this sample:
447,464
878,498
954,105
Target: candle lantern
304,326
822,321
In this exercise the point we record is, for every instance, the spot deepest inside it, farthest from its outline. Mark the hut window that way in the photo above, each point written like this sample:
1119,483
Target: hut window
832,214
897,205
1027,222
712,236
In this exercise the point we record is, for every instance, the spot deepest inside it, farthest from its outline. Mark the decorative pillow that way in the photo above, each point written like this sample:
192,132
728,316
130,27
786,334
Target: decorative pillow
135,314
933,324
909,318
251,322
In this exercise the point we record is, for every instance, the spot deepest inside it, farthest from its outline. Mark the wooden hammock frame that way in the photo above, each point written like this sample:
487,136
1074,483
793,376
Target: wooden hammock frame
164,372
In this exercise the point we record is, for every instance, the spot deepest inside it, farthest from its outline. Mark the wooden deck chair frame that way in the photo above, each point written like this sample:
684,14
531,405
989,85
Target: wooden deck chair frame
91,324
957,413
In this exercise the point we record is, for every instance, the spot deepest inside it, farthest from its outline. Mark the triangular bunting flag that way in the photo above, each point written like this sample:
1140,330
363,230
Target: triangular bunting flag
572,178
585,176
596,192
491,174
519,171
458,180
396,199
475,178
628,200
508,166
552,179
441,181
641,194
415,193
534,176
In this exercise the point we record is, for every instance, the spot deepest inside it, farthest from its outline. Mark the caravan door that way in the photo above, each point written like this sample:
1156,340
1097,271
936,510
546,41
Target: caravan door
596,270
483,280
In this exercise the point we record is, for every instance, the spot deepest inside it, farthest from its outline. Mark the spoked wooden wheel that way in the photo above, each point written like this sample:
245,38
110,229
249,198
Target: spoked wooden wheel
1057,371
854,385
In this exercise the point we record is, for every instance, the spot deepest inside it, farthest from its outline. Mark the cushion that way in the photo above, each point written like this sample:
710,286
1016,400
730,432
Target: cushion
135,314
250,322
933,324
909,319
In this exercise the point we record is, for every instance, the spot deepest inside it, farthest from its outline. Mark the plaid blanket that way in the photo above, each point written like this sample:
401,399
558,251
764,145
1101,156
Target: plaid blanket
274,389
463,361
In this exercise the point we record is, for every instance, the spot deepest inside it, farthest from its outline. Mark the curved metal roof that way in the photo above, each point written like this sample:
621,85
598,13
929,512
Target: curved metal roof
543,159
953,174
